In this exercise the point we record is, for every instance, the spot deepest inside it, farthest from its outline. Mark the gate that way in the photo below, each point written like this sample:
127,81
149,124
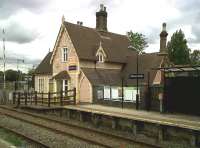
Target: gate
182,94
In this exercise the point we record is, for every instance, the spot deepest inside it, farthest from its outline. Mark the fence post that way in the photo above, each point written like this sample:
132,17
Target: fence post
74,93
35,97
31,96
18,99
14,97
25,95
61,98
42,98
49,96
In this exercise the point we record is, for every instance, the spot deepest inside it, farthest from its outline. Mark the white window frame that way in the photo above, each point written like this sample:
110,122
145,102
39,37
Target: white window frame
41,84
64,84
100,57
64,54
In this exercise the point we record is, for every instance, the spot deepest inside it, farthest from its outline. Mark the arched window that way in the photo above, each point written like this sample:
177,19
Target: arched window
100,57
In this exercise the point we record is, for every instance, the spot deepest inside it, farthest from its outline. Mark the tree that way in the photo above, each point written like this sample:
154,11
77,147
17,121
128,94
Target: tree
12,75
178,51
138,41
1,76
195,57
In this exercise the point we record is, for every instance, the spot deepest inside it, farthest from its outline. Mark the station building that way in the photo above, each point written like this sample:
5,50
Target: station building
98,64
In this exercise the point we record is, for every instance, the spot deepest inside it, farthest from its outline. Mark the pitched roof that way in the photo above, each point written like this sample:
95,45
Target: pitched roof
45,67
102,76
86,42
62,75
145,64
114,77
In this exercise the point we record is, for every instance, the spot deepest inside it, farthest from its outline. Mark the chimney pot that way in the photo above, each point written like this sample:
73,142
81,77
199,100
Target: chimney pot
164,26
163,39
101,19
101,7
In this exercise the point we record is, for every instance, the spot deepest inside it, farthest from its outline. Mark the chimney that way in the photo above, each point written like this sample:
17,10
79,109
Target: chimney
163,39
80,23
101,19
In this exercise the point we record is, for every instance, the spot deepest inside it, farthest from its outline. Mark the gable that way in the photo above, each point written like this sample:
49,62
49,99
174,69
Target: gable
86,42
63,41
56,43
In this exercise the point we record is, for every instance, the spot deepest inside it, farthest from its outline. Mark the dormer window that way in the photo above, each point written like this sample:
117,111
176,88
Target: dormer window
64,54
100,57
100,54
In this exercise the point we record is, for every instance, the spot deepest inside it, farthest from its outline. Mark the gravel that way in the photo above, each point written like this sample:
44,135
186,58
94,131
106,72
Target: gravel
50,138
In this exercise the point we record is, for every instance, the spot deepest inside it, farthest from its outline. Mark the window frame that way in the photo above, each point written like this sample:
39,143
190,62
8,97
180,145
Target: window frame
64,84
41,84
64,54
100,57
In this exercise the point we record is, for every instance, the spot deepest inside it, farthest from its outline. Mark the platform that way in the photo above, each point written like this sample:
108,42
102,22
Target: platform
176,120
40,108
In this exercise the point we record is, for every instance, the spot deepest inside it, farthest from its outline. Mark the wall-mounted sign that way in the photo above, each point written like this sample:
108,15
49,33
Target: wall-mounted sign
72,67
136,76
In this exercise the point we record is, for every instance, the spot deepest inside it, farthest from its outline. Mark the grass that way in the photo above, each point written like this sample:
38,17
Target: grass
11,138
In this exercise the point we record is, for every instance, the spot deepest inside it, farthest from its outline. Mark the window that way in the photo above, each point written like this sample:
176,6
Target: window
65,85
115,93
107,92
64,54
41,84
100,57
130,94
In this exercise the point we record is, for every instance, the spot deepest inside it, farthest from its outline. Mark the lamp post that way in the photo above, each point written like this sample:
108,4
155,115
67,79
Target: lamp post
137,66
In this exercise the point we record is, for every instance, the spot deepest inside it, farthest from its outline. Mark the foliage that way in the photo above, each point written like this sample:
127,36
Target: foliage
138,41
31,71
13,75
178,51
195,57
11,138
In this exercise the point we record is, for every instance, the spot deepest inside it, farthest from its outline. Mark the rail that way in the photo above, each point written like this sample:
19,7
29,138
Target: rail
74,130
40,98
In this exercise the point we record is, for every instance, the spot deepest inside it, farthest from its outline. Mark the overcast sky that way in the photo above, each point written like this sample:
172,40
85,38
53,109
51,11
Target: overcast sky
32,26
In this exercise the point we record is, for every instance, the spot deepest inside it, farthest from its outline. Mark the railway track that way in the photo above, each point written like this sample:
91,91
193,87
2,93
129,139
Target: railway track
29,139
89,135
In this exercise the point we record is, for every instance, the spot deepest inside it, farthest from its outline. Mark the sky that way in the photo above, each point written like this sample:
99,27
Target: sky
31,26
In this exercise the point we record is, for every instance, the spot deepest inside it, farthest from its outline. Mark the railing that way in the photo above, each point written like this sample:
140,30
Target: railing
39,98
